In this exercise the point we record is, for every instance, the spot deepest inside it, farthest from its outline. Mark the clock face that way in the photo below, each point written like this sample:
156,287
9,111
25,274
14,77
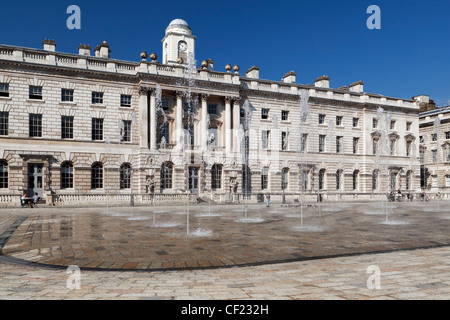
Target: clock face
182,46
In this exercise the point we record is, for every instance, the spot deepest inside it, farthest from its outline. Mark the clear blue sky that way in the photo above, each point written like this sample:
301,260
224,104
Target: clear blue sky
407,57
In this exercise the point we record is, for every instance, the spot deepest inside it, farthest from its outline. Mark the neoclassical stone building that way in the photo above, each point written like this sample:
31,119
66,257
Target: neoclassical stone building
82,128
434,147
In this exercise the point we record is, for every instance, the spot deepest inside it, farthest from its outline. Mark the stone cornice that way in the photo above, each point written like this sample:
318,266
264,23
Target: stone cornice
52,70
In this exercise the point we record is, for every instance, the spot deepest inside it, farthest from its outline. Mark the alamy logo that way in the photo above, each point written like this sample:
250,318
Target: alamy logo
374,281
374,21
74,280
74,21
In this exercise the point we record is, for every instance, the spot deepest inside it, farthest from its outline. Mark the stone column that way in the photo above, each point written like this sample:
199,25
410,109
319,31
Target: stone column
179,120
236,124
143,115
228,125
204,123
153,119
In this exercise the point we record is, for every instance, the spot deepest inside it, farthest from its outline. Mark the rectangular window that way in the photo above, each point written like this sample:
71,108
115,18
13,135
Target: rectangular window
447,180
305,175
97,97
212,109
374,123
408,126
265,139
66,95
434,156
355,122
125,131
3,174
66,127
355,145
321,119
339,120
214,131
422,156
434,137
35,125
434,181
338,180
125,100
284,115
35,92
216,177
355,180
303,142
408,148
189,135
164,103
264,114
285,179
375,143
4,123
322,143
375,180
392,125
284,140
447,135
339,144
392,147
4,90
264,178
97,129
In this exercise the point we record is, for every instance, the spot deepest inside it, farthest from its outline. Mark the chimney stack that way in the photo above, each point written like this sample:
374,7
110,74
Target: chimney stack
84,50
105,52
425,104
49,45
289,77
322,82
357,87
253,72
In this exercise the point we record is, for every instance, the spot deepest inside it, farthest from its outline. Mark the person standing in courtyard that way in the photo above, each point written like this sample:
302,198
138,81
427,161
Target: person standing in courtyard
267,199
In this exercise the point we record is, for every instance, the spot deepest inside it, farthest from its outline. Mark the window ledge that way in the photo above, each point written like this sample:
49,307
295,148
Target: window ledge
35,101
6,98
98,105
68,103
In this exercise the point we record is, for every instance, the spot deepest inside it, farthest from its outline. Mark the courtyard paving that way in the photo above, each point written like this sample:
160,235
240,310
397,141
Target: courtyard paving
180,252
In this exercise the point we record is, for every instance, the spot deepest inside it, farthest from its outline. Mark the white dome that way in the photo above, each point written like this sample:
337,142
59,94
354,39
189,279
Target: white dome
179,25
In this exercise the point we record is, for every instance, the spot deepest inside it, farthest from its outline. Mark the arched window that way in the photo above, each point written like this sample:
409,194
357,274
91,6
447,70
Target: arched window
97,176
125,176
216,177
3,174
67,175
285,179
321,179
166,175
355,180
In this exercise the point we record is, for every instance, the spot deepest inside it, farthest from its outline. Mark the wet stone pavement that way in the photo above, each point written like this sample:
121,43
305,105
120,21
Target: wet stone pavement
198,237
150,253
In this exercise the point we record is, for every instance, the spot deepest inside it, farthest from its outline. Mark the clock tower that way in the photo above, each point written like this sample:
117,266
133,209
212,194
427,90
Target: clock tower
178,43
